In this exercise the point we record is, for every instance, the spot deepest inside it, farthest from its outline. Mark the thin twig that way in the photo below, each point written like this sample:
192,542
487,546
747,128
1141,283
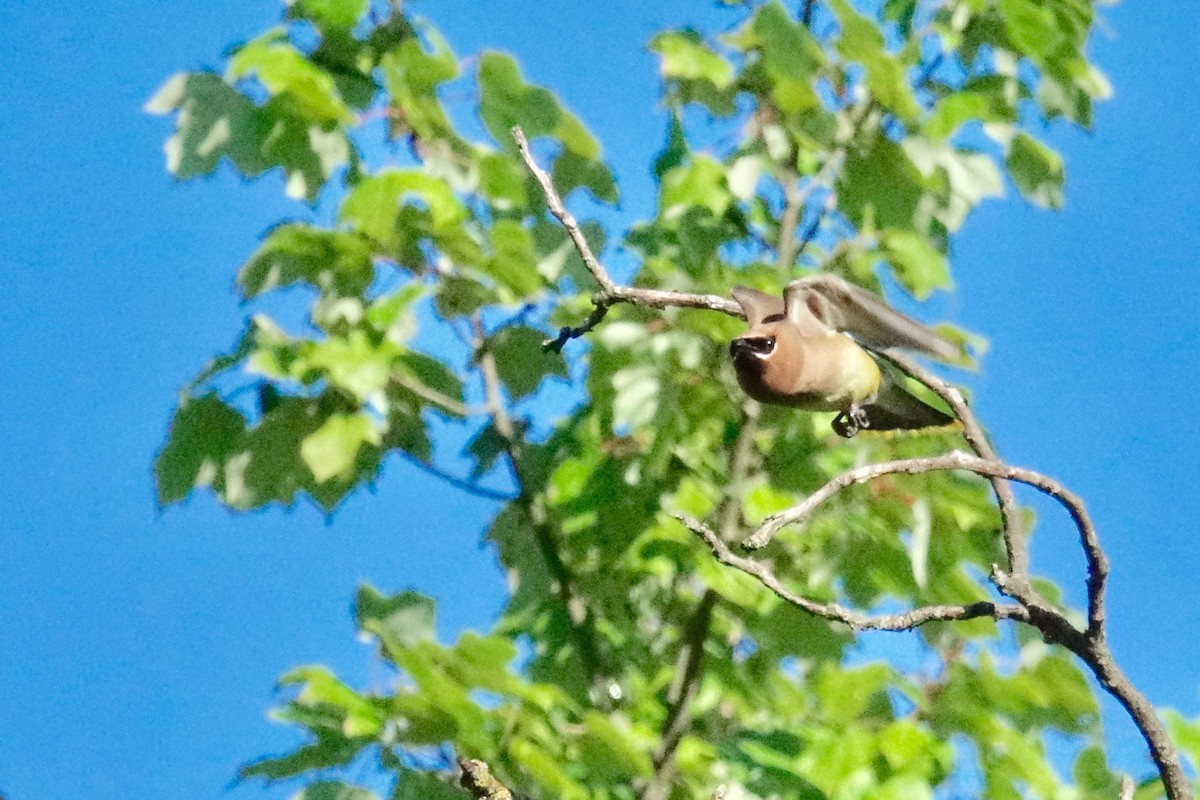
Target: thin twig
459,483
691,654
433,396
583,623
838,613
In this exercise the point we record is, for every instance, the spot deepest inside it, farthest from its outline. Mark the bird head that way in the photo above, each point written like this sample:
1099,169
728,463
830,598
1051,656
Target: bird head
752,345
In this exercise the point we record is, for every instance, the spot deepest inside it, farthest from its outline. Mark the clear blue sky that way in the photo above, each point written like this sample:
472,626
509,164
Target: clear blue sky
139,648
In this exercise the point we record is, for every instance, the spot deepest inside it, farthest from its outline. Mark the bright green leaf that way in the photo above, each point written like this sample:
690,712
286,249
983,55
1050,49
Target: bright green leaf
332,449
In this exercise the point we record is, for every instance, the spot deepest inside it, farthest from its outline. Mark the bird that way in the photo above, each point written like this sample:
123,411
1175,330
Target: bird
816,349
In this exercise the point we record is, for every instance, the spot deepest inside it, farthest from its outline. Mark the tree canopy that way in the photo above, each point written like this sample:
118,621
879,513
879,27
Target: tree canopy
629,661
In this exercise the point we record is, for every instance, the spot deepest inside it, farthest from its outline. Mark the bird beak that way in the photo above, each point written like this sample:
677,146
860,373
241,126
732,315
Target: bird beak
756,346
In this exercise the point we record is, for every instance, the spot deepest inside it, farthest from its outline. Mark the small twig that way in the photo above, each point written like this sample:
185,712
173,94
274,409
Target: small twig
583,623
560,212
567,332
459,483
838,613
1126,790
430,395
609,293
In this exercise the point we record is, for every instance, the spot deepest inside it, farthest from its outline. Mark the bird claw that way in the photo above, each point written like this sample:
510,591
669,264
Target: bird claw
847,423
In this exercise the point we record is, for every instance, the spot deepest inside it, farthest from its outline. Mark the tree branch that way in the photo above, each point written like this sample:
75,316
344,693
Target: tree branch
609,293
690,659
1090,645
583,623
478,780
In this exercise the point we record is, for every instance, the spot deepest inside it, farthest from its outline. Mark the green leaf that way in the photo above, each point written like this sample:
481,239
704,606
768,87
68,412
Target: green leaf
505,100
400,620
513,262
353,362
372,205
215,121
412,76
608,751
1093,775
862,41
1036,170
325,753
332,261
521,361
284,71
880,182
269,467
959,108
698,184
458,296
918,265
333,13
790,56
685,55
332,449
204,434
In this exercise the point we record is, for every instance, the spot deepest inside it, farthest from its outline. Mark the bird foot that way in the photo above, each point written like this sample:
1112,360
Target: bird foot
850,422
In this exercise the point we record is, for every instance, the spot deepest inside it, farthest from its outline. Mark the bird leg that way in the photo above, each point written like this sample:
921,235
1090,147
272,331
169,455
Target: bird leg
851,421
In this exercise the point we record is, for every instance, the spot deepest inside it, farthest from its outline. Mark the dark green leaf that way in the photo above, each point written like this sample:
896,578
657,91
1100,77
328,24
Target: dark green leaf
204,434
521,361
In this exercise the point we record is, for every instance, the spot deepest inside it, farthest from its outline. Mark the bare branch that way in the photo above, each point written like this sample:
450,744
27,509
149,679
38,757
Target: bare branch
1090,645
609,293
478,780
838,613
560,212
1015,545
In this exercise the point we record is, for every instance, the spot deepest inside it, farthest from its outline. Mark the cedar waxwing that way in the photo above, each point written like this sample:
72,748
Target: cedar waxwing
811,350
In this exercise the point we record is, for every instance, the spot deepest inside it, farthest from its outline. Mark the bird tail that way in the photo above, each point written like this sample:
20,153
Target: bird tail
894,408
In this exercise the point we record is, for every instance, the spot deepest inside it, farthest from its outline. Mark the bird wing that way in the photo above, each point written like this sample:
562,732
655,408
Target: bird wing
842,306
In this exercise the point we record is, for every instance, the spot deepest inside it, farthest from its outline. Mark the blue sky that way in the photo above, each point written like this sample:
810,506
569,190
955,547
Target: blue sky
140,648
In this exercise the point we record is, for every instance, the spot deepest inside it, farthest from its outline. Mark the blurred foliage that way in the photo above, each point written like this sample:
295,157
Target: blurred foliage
838,137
